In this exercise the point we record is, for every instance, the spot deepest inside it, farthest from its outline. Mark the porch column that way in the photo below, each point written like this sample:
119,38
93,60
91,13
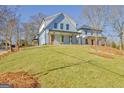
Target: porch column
49,38
60,38
70,39
54,38
79,40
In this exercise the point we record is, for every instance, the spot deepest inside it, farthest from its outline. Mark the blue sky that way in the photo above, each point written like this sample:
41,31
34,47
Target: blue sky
27,11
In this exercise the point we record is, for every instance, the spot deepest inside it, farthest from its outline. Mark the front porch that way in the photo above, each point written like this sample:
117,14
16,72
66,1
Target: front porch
62,37
93,40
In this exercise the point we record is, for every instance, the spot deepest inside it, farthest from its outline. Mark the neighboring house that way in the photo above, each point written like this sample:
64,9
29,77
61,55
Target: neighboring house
61,29
58,29
91,36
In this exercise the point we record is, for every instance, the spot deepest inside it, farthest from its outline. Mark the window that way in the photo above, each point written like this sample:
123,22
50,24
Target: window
61,26
67,26
55,25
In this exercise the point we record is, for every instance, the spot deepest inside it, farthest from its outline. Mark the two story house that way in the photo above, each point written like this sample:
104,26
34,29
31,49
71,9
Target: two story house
62,29
58,29
91,36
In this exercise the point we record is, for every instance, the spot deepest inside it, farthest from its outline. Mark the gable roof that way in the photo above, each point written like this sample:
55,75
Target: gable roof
50,19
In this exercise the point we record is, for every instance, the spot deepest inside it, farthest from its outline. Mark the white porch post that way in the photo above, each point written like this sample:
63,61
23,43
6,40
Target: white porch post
49,38
79,39
70,39
60,37
54,38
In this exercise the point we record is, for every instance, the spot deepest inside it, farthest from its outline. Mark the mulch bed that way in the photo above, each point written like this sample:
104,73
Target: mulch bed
19,79
106,52
105,55
109,50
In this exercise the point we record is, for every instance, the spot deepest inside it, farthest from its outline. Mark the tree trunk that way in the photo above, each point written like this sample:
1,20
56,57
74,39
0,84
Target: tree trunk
11,45
18,40
26,43
10,40
121,42
6,42
6,45
17,46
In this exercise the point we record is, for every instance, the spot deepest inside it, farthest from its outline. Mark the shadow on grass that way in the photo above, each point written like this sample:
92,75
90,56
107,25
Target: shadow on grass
62,67
98,66
79,63
57,68
93,64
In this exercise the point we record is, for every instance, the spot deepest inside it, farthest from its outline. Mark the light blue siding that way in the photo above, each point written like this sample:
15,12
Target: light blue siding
44,38
59,20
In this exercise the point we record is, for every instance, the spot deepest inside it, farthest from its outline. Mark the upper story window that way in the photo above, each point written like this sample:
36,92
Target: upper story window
67,26
55,25
61,26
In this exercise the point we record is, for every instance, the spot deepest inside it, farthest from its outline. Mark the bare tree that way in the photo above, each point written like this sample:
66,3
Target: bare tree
36,20
11,26
17,32
4,14
8,22
96,17
116,19
27,37
31,28
35,23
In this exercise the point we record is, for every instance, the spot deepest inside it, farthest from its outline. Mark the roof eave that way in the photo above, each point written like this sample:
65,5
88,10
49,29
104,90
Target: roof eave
90,29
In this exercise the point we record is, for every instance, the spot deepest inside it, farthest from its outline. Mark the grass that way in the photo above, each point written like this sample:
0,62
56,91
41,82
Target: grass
67,66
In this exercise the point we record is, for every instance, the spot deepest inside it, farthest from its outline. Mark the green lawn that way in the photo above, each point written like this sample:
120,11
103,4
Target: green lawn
67,66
